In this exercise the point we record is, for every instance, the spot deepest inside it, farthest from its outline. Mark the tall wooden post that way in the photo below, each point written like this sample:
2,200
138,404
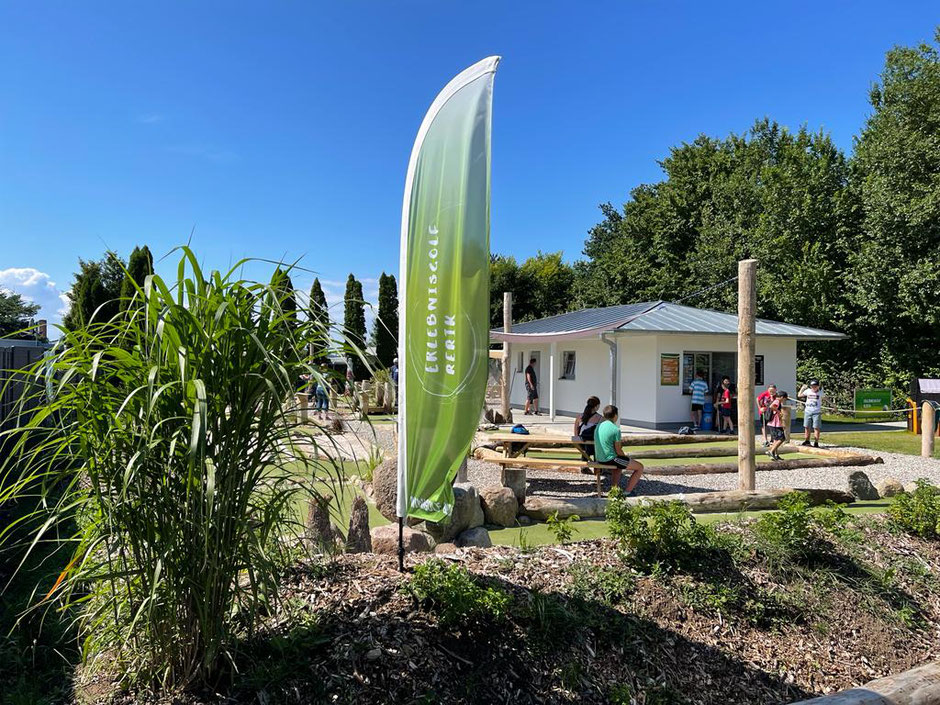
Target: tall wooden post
507,362
928,429
747,293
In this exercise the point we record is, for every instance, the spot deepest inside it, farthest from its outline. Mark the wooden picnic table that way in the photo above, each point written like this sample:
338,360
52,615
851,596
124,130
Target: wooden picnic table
516,444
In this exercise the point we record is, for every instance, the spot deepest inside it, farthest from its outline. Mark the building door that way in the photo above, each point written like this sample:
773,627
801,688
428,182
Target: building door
537,366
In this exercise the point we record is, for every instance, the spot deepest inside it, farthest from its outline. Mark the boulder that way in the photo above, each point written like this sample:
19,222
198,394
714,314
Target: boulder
500,505
385,540
860,486
467,514
358,539
478,537
385,488
495,417
889,487
317,531
445,548
514,479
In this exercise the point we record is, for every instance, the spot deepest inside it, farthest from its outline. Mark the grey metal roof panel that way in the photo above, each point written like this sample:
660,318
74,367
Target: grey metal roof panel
664,317
580,320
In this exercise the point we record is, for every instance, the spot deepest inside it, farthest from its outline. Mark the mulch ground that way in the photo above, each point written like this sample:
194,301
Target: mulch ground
369,642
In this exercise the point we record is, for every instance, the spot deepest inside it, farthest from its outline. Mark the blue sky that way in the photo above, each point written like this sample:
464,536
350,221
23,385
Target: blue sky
282,130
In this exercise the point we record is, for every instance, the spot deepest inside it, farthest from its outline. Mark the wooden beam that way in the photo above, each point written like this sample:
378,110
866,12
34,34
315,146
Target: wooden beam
747,293
928,423
540,508
507,362
918,686
721,468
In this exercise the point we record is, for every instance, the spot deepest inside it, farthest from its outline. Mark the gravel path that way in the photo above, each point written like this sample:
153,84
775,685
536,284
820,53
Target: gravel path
905,468
355,443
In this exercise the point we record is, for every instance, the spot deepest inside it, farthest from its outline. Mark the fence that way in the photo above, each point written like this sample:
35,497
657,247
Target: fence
16,355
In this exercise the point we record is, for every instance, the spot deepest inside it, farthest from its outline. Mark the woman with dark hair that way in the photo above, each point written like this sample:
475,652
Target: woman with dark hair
586,423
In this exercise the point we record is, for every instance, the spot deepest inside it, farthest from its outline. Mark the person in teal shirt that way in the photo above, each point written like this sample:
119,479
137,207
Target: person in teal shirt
608,449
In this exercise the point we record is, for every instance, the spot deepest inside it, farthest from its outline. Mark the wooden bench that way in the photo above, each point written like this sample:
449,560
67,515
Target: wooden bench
561,465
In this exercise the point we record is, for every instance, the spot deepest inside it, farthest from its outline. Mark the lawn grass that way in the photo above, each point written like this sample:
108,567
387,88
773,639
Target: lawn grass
887,441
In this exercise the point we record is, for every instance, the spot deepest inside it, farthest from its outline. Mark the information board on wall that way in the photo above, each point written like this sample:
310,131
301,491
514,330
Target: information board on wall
669,369
872,399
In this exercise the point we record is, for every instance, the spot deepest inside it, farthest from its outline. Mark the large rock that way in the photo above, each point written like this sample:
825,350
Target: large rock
495,417
467,514
478,537
500,505
889,487
385,488
385,540
358,539
445,548
514,479
860,486
318,531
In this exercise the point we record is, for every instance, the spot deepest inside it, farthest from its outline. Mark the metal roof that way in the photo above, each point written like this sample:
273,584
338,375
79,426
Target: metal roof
929,386
652,317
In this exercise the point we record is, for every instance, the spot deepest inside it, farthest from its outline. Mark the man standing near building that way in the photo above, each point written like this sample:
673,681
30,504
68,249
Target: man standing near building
699,388
764,400
811,396
531,389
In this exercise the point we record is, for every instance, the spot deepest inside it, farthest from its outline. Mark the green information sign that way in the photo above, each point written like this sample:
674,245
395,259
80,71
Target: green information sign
872,399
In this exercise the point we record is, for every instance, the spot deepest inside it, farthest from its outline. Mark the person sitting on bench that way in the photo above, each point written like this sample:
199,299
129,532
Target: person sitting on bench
585,425
608,449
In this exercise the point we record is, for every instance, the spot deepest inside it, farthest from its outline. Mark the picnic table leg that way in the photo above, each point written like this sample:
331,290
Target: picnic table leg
514,479
597,477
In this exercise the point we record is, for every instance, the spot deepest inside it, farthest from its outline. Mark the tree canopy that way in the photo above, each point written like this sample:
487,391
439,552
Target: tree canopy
354,323
385,327
139,265
16,314
96,287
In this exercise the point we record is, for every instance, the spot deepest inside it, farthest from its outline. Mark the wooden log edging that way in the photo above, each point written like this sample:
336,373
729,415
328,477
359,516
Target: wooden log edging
540,508
719,468
918,686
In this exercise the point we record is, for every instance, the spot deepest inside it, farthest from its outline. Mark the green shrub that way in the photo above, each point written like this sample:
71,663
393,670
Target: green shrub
660,536
789,530
561,529
552,621
918,512
454,596
605,585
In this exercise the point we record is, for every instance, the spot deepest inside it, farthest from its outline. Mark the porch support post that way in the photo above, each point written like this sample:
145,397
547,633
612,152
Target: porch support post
612,345
553,351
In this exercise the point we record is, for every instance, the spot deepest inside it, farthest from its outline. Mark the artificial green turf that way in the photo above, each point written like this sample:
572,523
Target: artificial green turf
539,535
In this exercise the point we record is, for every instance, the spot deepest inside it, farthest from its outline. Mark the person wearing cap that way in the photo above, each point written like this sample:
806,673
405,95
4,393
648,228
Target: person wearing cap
811,395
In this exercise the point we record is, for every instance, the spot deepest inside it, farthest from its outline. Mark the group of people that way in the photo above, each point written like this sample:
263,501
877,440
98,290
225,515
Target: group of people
772,404
722,398
603,428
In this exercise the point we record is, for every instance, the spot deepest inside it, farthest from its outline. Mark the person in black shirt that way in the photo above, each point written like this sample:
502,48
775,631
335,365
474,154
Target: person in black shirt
531,389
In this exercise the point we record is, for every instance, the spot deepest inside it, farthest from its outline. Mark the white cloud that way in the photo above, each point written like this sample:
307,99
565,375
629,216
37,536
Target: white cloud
39,288
150,118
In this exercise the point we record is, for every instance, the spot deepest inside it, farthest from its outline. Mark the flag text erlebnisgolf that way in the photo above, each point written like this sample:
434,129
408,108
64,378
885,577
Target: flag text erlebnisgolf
432,359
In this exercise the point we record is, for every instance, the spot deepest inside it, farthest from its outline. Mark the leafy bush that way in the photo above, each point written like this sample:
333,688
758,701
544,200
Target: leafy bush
167,460
454,596
918,512
562,529
791,529
661,536
602,584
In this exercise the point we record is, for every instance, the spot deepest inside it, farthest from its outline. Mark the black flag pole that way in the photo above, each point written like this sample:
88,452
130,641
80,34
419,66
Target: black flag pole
401,544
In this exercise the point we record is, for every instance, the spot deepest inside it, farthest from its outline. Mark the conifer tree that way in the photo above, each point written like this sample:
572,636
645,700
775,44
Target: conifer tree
385,328
354,323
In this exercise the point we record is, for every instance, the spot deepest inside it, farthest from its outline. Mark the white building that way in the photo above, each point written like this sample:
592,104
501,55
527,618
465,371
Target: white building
642,358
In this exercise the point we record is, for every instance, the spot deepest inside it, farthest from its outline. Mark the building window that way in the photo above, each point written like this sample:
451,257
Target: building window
567,365
692,362
520,364
759,369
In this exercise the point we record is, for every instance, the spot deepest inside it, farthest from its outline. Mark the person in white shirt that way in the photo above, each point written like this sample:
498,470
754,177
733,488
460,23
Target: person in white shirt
812,395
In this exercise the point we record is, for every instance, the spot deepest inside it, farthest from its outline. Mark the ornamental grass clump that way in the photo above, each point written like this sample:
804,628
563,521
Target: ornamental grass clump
165,456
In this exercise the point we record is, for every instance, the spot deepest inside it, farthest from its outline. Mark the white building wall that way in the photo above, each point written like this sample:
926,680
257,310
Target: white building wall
640,397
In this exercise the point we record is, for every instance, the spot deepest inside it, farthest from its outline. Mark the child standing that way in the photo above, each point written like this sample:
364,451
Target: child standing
723,402
775,425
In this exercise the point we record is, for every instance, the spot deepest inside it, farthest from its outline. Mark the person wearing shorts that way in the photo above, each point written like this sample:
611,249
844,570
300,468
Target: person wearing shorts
608,449
764,400
775,425
723,397
812,395
698,387
322,400
531,389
